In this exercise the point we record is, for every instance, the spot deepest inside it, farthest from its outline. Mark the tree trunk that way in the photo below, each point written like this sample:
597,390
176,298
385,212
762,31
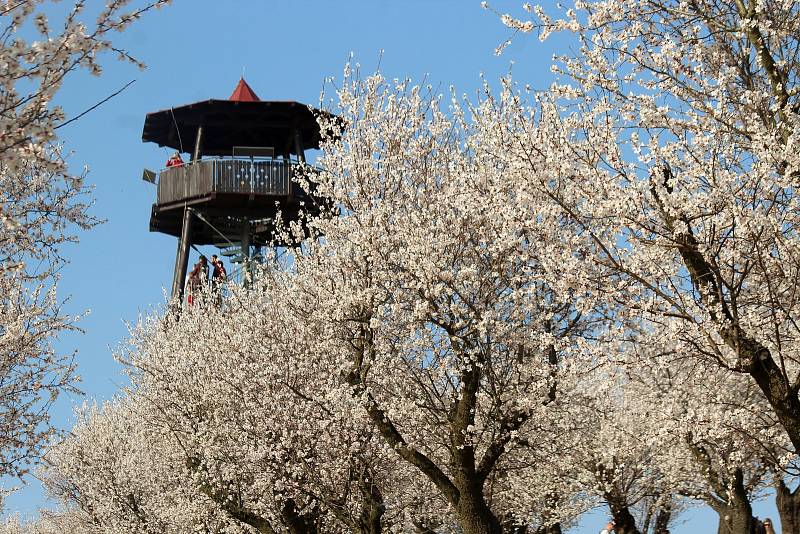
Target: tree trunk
734,520
624,521
736,515
753,357
788,504
661,525
296,523
373,506
474,515
778,391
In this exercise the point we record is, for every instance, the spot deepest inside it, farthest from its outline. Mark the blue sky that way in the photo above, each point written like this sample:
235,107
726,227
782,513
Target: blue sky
198,49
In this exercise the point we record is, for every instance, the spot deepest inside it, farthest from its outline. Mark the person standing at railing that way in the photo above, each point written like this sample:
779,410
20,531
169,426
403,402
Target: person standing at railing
218,276
175,160
198,278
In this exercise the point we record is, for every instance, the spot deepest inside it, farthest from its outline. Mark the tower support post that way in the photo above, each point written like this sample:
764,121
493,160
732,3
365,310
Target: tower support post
298,145
182,257
297,138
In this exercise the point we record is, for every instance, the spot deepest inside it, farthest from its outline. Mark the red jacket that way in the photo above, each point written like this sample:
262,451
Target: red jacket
175,161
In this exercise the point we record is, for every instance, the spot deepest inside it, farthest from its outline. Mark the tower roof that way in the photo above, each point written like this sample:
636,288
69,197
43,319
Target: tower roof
229,123
244,93
241,120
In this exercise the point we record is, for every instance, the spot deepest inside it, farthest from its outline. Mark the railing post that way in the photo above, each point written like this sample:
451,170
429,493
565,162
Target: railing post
214,175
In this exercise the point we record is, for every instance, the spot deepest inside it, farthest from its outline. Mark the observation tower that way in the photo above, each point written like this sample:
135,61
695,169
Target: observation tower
244,156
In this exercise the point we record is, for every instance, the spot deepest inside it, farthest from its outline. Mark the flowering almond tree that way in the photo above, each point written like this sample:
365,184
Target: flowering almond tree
41,204
618,456
718,449
717,442
235,424
109,471
51,523
434,286
666,432
685,115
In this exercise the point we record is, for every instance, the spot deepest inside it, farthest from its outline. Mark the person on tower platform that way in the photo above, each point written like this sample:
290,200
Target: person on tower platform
175,160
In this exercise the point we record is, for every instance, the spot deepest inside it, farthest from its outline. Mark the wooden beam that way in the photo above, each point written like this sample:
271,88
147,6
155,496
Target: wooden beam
298,145
198,144
182,257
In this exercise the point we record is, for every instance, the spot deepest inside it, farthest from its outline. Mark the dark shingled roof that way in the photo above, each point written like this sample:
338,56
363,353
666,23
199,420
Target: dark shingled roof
229,123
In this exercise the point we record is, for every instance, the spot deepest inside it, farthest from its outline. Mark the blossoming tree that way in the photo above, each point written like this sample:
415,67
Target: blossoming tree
687,117
233,425
434,286
41,205
692,109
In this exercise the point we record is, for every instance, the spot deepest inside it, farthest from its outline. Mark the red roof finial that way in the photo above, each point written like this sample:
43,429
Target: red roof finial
243,93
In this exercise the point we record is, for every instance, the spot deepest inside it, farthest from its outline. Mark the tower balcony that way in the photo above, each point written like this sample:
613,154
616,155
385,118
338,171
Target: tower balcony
235,180
225,192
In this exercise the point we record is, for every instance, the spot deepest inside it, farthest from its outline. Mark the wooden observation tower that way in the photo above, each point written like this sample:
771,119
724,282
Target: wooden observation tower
245,153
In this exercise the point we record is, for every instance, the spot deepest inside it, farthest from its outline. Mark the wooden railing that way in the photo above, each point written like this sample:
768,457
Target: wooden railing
242,176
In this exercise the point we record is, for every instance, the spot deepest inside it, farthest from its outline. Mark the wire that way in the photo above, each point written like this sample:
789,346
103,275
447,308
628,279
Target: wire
199,216
177,129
